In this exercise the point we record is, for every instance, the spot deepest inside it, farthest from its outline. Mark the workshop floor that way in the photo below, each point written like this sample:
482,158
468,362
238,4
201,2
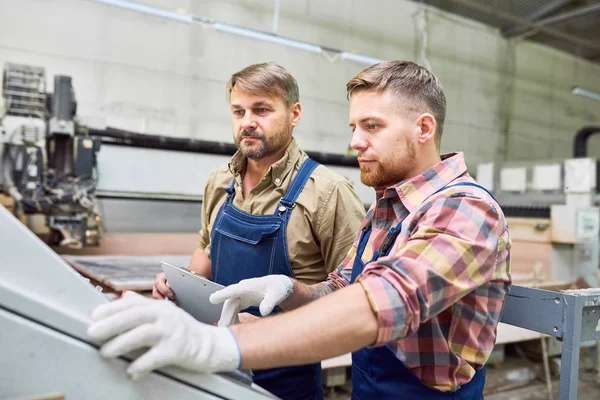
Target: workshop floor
588,390
496,382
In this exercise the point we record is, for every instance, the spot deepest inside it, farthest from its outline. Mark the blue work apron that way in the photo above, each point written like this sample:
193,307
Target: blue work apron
247,246
376,372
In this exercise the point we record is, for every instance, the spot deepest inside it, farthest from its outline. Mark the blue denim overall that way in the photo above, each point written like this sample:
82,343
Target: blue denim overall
247,246
376,372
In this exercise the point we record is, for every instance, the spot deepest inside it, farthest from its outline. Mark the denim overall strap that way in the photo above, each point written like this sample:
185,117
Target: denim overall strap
244,246
291,195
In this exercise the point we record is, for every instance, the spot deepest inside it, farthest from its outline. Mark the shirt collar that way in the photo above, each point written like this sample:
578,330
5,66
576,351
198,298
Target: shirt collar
414,191
277,171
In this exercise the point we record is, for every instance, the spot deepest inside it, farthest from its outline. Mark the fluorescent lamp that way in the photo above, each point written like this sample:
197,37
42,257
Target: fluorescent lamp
359,58
586,93
238,30
266,37
144,9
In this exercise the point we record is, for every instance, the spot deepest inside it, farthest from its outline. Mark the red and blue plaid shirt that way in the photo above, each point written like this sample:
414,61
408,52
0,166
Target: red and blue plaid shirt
439,293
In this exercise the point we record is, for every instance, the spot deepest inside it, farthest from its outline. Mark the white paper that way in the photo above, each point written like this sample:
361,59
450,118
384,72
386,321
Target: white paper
546,177
513,179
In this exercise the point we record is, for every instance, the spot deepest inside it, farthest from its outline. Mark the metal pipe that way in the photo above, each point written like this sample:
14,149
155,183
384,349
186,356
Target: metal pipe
581,139
119,137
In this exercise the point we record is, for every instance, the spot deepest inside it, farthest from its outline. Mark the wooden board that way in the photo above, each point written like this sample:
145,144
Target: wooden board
7,201
139,244
530,229
53,396
124,272
531,262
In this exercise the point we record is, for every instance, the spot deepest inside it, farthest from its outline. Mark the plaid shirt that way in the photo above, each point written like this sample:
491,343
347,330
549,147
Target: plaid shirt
439,293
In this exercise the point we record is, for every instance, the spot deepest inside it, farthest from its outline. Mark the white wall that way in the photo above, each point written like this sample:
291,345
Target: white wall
158,76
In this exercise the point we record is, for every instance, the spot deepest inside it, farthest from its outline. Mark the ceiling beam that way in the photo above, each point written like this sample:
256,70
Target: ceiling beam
563,17
546,9
590,44
537,14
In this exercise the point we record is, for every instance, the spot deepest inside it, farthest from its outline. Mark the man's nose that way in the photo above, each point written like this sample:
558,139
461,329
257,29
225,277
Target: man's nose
358,142
249,122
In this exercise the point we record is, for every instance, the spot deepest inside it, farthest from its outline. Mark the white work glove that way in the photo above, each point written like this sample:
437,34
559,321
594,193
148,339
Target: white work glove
174,336
265,292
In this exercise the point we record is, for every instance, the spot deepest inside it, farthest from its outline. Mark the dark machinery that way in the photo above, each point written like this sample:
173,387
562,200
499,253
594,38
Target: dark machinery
47,159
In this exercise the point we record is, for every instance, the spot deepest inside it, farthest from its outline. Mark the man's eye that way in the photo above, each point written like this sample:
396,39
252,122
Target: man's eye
239,113
372,126
261,110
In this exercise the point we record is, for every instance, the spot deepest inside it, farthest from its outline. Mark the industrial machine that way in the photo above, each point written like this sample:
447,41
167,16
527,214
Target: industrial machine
45,309
47,158
552,212
52,166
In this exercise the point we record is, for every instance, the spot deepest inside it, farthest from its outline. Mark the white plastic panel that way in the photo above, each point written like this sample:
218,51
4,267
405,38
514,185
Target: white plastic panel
38,285
513,179
580,175
547,177
137,170
485,175
37,360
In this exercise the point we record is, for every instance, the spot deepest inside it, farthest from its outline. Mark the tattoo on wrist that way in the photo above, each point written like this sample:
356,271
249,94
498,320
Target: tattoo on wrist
319,290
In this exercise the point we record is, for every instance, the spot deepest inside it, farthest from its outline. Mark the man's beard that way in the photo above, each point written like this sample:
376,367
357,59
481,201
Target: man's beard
386,173
262,147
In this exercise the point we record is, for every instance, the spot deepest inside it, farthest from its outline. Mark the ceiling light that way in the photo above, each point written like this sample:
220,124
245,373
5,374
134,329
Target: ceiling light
586,93
359,58
239,31
267,37
142,8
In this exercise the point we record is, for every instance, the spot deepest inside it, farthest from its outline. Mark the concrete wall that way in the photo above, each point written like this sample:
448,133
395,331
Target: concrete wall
544,113
157,76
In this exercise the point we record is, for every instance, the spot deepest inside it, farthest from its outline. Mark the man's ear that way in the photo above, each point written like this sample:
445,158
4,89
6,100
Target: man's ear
427,127
296,111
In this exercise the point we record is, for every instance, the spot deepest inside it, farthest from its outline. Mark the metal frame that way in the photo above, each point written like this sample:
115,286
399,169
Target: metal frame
571,38
572,316
555,19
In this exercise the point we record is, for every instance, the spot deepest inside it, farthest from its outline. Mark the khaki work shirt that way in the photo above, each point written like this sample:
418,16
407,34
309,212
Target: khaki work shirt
323,225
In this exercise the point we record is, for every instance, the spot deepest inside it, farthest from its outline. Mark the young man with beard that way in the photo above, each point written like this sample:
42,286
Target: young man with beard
272,209
418,297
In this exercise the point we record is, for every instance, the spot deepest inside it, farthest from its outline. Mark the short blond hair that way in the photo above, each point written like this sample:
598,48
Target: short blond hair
408,80
266,79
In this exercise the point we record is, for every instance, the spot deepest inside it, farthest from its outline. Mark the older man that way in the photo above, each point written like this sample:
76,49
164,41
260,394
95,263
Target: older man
272,210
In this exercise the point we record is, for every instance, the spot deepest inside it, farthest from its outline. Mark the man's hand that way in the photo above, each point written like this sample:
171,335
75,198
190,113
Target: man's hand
161,288
174,337
265,292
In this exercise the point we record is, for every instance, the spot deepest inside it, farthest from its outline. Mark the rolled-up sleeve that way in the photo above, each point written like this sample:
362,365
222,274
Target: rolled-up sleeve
340,277
451,250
